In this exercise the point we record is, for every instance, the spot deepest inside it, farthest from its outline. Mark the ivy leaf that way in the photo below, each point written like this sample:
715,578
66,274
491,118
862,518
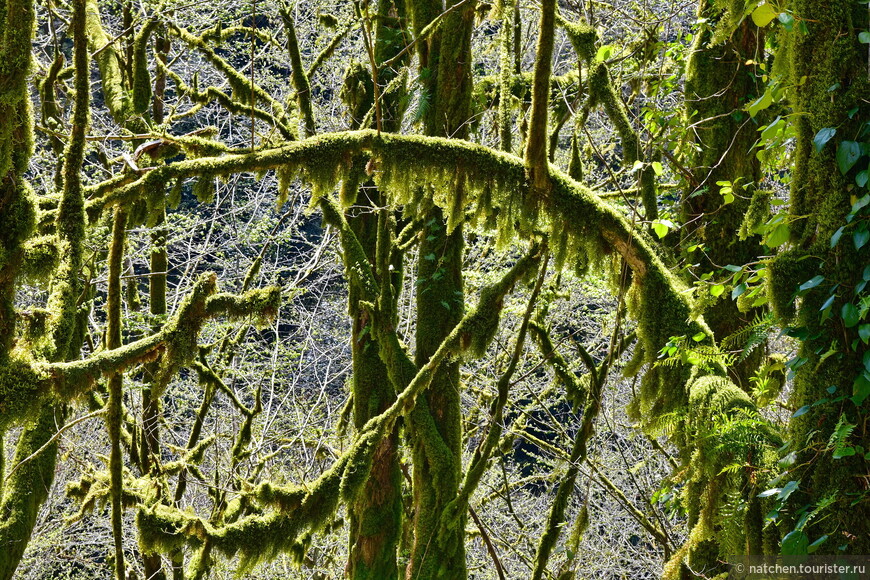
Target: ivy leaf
802,411
604,53
815,545
717,290
862,178
760,104
849,312
835,239
787,21
864,333
662,227
822,137
763,15
770,492
848,154
864,37
778,236
860,237
844,452
788,489
812,283
794,543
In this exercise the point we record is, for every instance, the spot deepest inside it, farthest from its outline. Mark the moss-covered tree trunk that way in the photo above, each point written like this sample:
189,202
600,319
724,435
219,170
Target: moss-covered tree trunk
834,64
719,83
435,423
31,476
27,485
376,513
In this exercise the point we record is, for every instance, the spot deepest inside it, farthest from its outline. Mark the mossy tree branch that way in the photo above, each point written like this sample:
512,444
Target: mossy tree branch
116,383
175,343
299,76
536,145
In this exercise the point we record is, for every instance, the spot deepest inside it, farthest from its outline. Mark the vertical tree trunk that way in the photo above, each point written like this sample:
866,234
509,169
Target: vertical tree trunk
834,64
435,423
376,513
718,83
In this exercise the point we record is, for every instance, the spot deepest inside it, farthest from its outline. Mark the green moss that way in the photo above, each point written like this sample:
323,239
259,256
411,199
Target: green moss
18,383
27,488
262,303
299,77
506,37
602,91
141,77
785,273
116,96
536,144
205,188
829,55
583,38
357,92
241,85
577,389
757,213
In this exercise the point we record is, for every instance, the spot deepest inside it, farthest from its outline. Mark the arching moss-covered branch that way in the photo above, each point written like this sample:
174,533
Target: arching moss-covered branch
421,171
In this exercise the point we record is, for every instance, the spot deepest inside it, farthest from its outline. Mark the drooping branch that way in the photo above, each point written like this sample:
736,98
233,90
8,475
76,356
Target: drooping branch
241,86
496,193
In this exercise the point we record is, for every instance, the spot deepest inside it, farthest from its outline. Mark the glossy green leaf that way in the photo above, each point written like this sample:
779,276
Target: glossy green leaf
822,137
848,154
778,236
763,15
812,283
861,237
849,312
760,104
802,411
